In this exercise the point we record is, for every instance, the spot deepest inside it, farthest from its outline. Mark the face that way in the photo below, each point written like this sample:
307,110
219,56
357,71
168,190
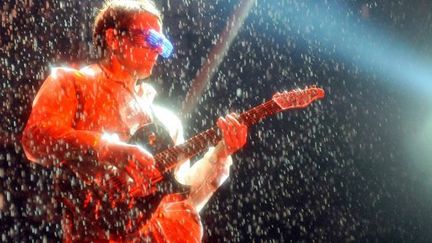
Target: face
134,57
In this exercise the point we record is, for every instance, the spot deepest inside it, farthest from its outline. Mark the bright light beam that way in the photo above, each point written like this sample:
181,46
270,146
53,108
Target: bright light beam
216,55
371,49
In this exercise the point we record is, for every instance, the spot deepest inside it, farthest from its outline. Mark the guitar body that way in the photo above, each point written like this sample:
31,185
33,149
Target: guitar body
154,137
118,212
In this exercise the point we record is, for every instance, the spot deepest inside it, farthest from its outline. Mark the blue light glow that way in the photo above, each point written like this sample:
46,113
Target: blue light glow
357,40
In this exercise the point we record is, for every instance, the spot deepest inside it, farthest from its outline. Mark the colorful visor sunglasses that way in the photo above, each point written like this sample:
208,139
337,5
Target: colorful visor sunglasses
153,39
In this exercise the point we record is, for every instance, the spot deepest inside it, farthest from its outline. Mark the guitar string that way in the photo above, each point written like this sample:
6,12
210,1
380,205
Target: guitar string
267,106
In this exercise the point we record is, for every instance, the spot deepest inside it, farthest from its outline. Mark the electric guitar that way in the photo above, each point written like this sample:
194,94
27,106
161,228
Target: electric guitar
126,216
167,160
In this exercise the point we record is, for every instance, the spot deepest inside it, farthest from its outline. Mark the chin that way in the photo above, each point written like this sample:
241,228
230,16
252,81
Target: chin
143,71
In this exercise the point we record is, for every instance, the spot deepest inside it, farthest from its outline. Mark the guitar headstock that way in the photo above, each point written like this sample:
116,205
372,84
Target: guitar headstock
298,98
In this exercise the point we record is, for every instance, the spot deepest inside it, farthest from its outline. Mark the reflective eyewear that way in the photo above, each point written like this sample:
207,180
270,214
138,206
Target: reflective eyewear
153,39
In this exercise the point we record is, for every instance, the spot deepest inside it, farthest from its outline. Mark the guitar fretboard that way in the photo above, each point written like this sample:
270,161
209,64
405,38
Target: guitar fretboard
167,159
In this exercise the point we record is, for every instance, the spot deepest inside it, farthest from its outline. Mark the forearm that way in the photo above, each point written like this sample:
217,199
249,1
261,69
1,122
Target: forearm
204,168
48,145
207,175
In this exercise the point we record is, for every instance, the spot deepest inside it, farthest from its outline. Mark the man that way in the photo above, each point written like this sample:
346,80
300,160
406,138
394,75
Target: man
81,123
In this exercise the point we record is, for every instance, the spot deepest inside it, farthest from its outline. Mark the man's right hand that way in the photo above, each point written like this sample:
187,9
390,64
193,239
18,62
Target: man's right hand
124,167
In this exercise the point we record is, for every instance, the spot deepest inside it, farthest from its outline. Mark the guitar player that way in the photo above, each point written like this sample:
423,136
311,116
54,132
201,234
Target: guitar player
81,125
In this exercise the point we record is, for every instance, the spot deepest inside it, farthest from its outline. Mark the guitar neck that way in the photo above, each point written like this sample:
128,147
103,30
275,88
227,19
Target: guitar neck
167,159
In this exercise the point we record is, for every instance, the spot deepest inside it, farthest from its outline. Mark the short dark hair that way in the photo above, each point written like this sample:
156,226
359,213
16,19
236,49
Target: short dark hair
117,14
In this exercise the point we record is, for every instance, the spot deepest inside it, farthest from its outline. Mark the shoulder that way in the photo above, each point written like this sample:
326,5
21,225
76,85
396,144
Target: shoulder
170,121
60,73
63,77
59,81
69,73
63,81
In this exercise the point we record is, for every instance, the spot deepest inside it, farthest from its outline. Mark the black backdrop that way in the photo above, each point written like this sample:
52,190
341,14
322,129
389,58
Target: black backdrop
337,171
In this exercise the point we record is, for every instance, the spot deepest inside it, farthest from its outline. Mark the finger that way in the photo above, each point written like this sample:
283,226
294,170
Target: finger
230,133
233,120
235,132
120,180
238,143
147,165
244,134
233,126
114,179
133,171
144,158
229,143
224,127
222,124
137,191
235,115
121,173
230,123
236,127
239,139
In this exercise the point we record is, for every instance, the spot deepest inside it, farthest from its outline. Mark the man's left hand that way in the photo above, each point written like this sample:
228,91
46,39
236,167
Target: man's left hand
234,133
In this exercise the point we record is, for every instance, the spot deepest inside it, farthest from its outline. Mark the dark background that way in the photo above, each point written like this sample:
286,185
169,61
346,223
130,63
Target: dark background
352,167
